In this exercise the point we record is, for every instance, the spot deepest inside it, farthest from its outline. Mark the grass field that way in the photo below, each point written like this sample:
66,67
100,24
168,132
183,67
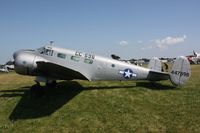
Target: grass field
82,106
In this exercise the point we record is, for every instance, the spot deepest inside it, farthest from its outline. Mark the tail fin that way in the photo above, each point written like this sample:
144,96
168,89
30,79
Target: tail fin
181,71
195,54
155,64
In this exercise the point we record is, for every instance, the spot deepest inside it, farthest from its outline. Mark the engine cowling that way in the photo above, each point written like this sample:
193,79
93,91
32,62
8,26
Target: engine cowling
23,62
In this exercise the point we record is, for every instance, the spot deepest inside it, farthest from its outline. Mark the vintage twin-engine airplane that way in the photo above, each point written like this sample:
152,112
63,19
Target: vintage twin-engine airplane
194,59
51,63
4,69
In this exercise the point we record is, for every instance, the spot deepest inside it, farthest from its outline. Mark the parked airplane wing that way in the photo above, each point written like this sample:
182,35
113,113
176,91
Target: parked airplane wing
49,69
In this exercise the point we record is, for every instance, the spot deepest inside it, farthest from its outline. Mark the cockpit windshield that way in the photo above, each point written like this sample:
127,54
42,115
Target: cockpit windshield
40,50
45,51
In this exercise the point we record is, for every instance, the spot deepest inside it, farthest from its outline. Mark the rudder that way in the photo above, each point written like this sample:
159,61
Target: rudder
155,64
181,71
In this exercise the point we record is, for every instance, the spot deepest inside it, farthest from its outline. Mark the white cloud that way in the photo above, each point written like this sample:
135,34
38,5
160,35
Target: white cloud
123,43
140,41
169,41
146,48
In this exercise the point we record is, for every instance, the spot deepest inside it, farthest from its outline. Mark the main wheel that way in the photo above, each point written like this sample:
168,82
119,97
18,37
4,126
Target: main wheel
37,91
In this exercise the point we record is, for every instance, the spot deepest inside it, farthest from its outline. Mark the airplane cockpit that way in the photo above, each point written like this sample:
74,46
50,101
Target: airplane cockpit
45,51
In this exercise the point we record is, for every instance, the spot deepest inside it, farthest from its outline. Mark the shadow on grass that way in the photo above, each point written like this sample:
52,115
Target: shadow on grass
30,107
13,93
155,86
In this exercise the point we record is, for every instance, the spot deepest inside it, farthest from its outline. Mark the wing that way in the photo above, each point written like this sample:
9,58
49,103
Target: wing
157,76
48,69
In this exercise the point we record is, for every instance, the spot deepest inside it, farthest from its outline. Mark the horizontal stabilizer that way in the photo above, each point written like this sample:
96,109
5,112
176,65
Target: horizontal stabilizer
157,76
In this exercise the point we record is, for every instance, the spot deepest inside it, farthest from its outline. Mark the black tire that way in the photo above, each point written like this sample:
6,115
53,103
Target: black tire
53,84
37,91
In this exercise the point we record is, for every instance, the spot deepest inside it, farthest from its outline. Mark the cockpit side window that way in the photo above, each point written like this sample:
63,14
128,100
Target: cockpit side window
48,52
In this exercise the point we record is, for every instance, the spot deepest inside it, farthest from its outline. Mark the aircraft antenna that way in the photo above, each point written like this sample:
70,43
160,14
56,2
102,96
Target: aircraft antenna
51,43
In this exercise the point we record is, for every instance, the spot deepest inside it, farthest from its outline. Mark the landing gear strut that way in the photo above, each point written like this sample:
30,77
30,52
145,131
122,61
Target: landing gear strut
51,84
37,90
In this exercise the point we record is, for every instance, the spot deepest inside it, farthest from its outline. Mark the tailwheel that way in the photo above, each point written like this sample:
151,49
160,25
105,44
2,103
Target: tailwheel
51,84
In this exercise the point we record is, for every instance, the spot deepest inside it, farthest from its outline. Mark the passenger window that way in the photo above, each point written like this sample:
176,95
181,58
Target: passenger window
75,58
61,55
88,61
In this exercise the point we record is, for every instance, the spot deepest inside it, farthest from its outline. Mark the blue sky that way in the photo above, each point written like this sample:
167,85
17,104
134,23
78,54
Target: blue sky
128,28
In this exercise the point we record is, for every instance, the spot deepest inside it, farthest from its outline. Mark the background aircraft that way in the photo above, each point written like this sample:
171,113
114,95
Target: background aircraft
51,63
197,57
194,59
7,67
3,68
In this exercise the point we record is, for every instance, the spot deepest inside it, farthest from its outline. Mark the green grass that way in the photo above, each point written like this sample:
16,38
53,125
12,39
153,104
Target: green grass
82,106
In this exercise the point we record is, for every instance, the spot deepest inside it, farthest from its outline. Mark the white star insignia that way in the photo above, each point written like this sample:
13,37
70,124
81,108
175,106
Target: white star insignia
128,74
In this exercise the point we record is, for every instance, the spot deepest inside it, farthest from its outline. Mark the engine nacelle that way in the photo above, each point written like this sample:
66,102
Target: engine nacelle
23,61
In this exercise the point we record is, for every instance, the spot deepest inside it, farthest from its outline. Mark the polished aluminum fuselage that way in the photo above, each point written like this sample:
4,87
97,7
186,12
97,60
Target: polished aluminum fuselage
93,67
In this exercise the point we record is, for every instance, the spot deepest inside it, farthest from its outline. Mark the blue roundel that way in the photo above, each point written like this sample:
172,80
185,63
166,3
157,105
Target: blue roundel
128,73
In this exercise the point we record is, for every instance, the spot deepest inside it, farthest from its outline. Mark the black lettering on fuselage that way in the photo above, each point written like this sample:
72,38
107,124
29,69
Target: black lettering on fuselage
185,74
85,55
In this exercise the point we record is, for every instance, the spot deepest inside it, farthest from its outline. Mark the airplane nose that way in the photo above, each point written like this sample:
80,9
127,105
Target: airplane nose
23,62
16,54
